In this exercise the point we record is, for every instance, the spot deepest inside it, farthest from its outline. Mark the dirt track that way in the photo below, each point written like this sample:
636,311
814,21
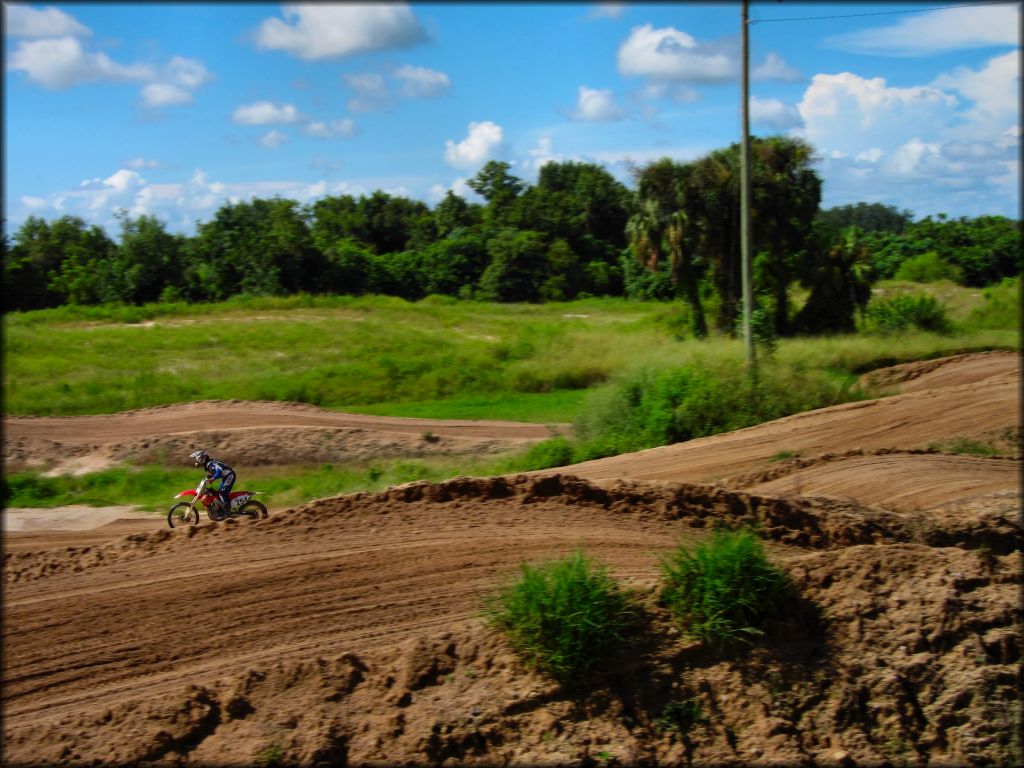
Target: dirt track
349,630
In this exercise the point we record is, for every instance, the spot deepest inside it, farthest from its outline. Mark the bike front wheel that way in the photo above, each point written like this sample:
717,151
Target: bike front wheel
183,514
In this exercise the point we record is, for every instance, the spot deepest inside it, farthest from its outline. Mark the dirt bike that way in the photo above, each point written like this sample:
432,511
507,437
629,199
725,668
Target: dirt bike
242,505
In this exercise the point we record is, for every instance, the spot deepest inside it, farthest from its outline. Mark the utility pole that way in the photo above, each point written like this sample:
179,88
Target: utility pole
745,238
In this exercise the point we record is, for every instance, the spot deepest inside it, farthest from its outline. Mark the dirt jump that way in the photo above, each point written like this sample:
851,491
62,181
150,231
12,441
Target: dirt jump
349,631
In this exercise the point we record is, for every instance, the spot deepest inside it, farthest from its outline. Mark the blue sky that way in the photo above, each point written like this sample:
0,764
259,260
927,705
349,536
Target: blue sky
174,109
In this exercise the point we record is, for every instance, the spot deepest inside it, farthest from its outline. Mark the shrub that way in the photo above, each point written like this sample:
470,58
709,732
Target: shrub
905,311
929,268
563,617
721,590
554,452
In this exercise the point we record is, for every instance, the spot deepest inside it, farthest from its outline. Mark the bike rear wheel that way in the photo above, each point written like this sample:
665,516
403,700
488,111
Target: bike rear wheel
182,515
252,509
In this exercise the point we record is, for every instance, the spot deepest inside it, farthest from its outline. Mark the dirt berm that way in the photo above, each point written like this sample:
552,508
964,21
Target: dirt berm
348,631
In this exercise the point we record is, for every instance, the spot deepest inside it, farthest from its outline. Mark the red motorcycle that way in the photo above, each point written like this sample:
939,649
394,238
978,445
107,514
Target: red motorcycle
242,505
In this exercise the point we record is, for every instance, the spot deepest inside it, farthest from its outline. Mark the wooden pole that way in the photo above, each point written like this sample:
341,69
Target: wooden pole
745,195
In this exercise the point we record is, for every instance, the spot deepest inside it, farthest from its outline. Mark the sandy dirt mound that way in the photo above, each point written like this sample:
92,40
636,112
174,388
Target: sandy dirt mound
252,434
983,406
349,631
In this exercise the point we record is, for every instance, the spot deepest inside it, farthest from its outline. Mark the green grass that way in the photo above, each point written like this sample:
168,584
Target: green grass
967,446
721,589
563,617
374,354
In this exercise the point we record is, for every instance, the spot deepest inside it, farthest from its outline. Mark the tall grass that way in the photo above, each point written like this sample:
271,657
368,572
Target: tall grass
723,588
563,617
386,355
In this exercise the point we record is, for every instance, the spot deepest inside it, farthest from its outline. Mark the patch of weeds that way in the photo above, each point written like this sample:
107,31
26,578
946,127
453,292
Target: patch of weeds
966,446
723,588
563,617
470,673
604,756
783,455
270,757
680,715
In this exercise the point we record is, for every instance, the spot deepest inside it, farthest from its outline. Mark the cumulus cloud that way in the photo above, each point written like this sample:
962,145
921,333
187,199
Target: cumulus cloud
774,113
61,62
607,11
994,90
848,112
938,31
371,92
266,113
669,54
176,82
273,138
774,68
947,145
24,21
346,128
165,94
422,83
483,141
596,106
313,31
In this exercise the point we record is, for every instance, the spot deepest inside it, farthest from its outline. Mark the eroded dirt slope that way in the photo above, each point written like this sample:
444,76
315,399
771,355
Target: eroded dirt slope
350,631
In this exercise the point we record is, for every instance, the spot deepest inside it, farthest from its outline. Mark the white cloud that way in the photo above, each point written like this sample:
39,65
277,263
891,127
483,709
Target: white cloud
871,155
938,31
178,79
994,90
61,62
607,11
187,73
481,144
774,113
596,106
266,113
774,68
423,83
165,94
669,54
849,113
273,138
948,145
371,92
23,21
323,31
346,127
143,162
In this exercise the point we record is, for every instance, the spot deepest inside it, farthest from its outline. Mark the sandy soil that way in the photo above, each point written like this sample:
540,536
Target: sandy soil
348,631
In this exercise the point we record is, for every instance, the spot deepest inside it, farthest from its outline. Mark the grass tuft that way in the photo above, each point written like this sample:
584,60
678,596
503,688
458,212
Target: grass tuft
563,617
722,589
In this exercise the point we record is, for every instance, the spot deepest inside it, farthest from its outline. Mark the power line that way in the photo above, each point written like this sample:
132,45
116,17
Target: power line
881,13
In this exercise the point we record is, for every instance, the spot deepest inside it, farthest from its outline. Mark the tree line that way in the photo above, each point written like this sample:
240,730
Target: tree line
576,232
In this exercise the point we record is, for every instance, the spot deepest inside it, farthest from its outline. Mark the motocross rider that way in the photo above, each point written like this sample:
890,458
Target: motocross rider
216,470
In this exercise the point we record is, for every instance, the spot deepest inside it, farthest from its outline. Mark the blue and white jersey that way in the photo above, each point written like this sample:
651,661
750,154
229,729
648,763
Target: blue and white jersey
215,470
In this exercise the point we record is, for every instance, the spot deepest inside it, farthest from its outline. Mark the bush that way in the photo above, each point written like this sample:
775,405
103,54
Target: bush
554,452
929,268
905,311
721,590
563,617
649,408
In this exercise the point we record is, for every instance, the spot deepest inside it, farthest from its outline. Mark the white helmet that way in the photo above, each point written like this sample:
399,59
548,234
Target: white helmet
199,458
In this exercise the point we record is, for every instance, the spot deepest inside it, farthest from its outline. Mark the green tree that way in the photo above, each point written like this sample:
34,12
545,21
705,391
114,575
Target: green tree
148,260
500,189
839,275
518,264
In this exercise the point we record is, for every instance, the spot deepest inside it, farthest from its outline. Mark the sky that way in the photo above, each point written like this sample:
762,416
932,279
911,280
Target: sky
174,109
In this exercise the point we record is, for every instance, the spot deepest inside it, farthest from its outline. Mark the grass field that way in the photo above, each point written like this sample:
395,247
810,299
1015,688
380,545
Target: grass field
438,358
